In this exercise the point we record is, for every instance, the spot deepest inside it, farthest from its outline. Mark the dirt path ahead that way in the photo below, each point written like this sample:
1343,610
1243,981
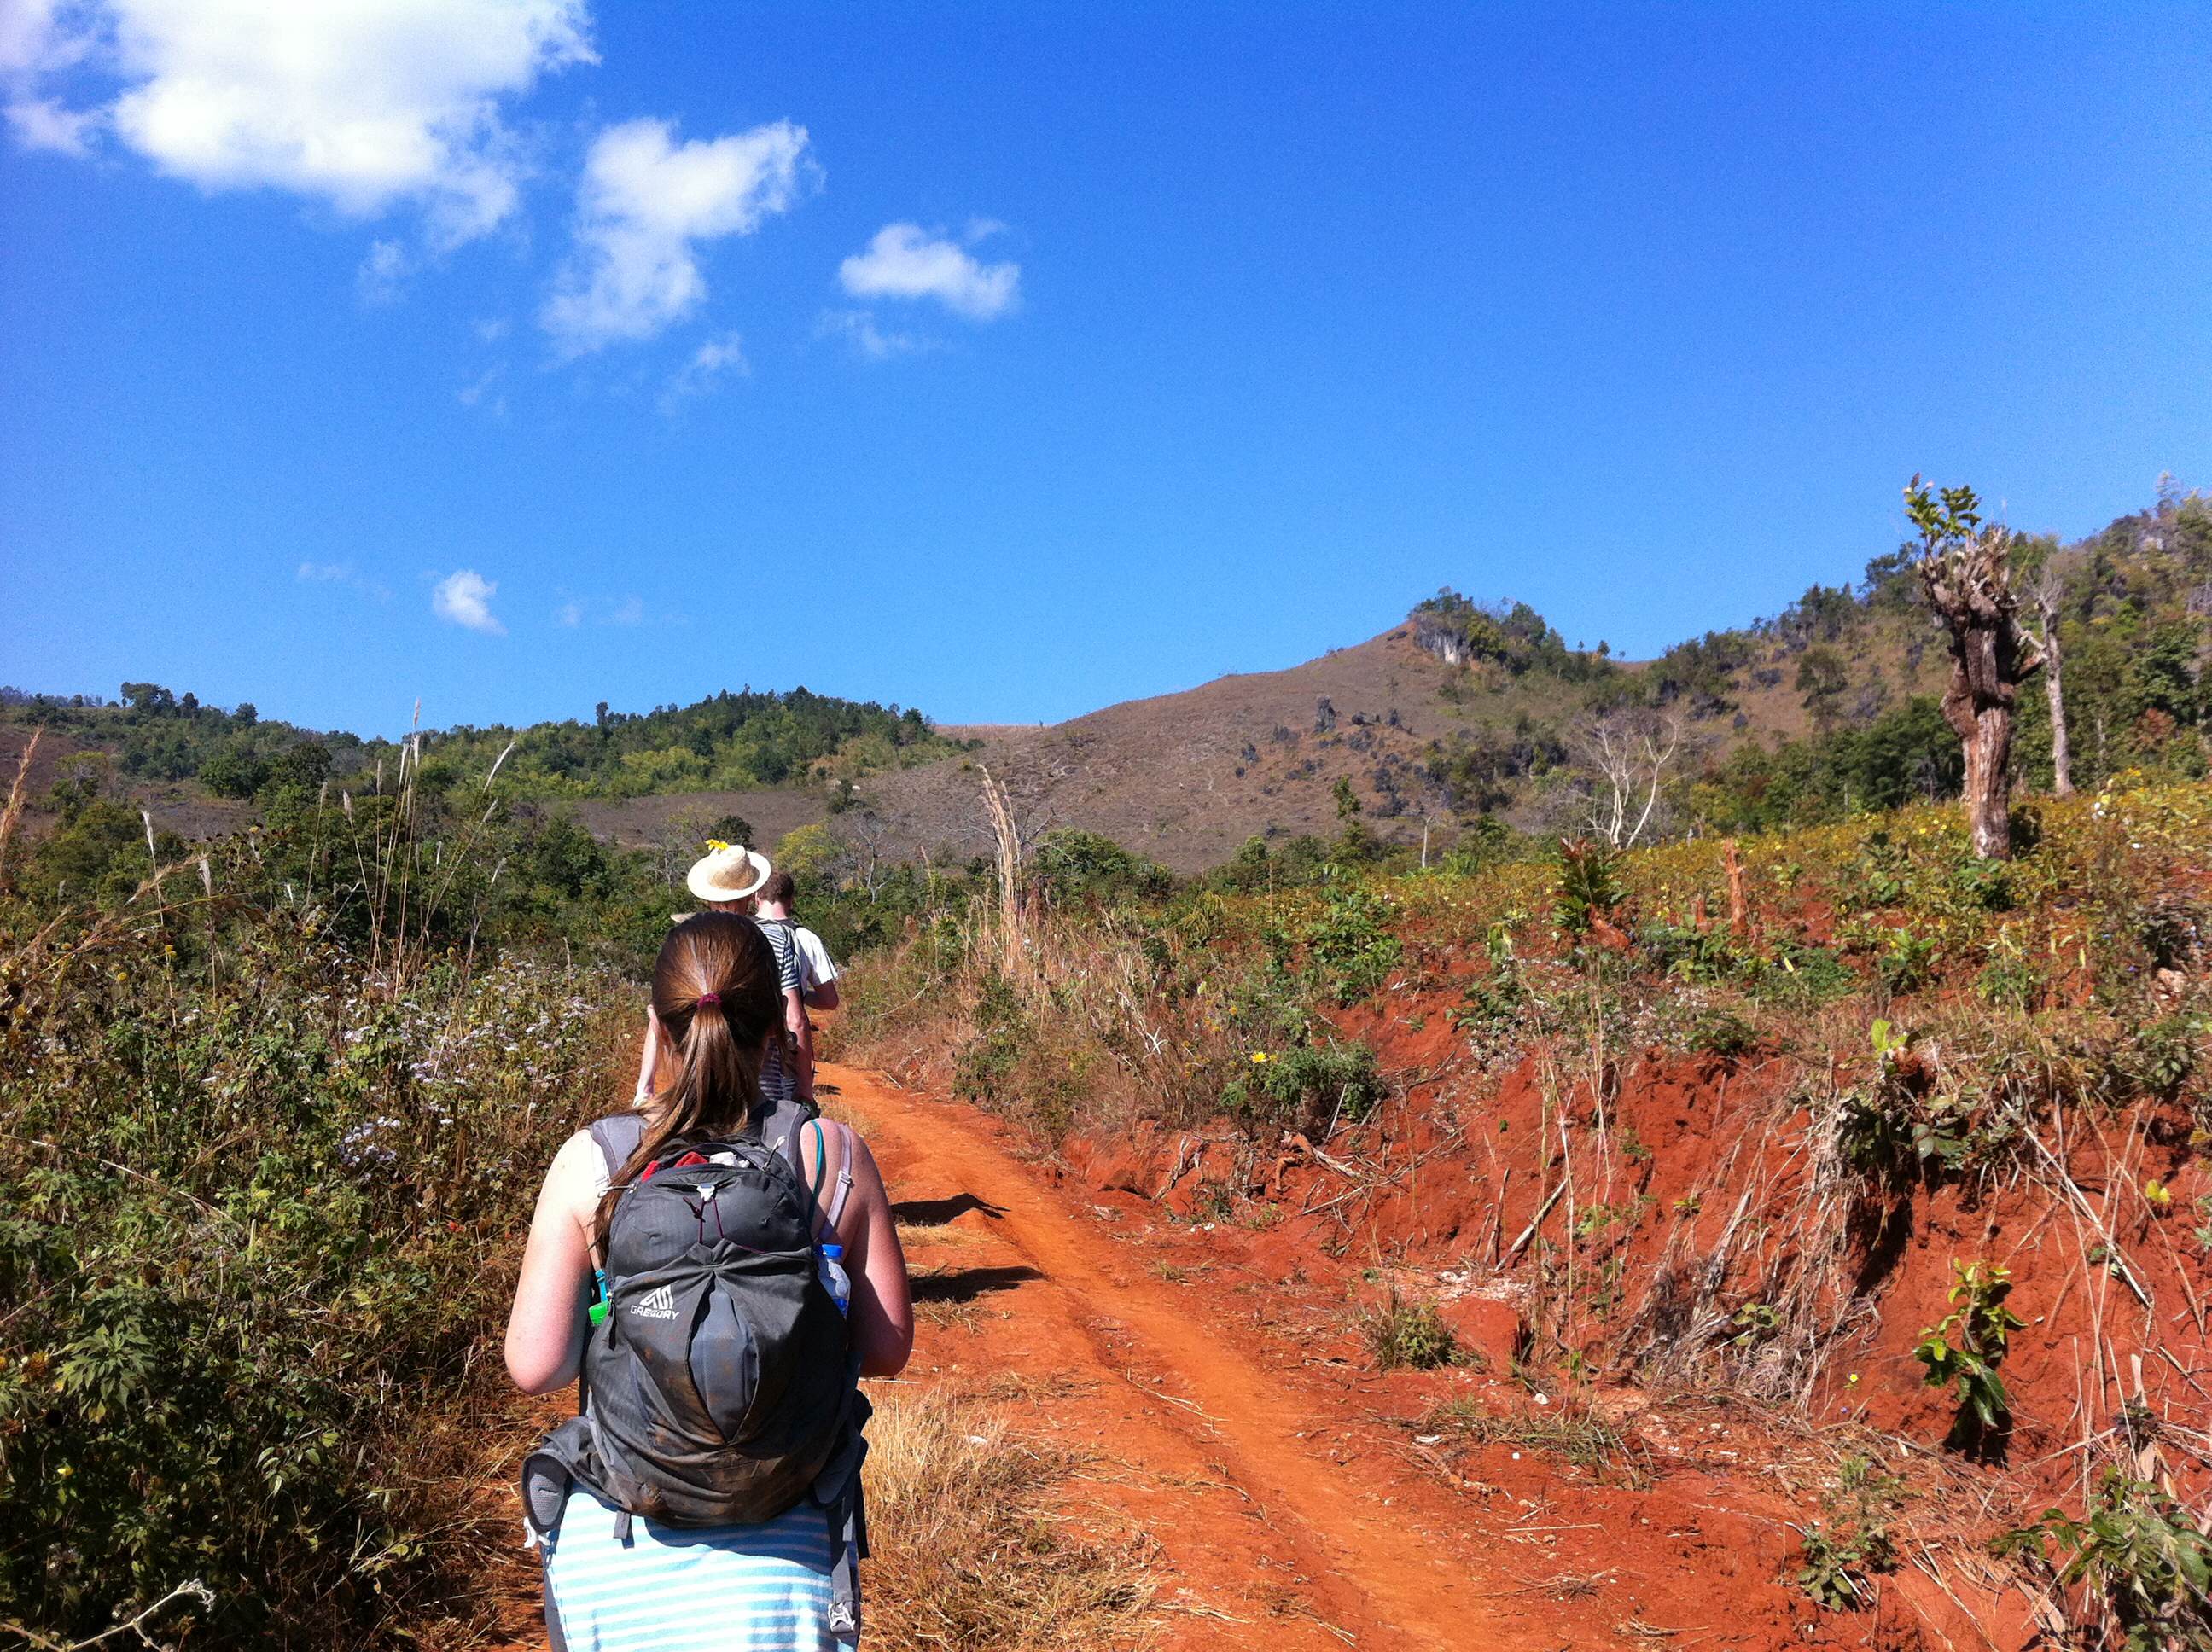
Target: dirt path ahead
1278,1520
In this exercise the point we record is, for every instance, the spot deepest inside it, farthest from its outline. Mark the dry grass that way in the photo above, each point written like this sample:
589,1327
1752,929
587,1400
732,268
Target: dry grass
967,1550
1563,1429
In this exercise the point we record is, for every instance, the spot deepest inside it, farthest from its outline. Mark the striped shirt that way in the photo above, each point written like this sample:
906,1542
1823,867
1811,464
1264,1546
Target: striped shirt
779,1084
712,1589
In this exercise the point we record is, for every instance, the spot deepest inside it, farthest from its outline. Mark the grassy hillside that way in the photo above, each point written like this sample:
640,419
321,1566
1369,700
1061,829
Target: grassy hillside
1827,709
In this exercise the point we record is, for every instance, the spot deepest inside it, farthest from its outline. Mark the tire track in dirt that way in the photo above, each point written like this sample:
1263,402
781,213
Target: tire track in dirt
1374,1570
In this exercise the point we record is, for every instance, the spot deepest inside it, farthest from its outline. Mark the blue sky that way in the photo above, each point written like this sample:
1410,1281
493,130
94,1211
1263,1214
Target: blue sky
1008,361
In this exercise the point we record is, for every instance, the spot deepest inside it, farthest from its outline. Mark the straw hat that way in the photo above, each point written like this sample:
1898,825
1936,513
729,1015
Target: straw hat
729,872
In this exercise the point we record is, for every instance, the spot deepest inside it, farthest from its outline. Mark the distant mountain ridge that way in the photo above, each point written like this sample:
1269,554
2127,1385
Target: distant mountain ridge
1461,712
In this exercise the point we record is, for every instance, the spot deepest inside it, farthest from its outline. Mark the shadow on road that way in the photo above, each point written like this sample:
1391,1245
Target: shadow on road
936,1212
966,1284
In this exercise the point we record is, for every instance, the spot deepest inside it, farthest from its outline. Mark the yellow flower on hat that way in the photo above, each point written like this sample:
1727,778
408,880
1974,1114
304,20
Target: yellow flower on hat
716,845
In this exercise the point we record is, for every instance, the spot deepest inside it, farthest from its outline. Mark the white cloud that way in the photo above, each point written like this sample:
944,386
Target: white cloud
34,42
723,353
905,261
629,611
464,597
360,105
645,203
43,123
859,329
570,614
492,330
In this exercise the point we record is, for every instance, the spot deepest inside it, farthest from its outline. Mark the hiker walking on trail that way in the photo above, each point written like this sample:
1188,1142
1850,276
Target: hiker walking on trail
818,970
730,877
721,1300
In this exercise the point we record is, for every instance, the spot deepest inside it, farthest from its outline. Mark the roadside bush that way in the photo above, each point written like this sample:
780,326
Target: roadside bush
2136,1564
1309,1089
245,1256
1401,1333
1350,948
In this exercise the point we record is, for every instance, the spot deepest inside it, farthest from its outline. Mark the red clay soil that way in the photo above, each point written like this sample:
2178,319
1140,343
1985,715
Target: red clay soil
1211,1383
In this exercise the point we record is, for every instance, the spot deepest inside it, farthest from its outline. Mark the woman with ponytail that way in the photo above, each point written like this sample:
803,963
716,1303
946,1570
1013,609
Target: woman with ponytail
714,1007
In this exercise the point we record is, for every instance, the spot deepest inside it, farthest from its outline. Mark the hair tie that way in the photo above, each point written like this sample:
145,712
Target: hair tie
705,998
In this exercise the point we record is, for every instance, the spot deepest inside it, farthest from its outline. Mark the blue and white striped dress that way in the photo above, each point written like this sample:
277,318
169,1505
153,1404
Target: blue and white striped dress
672,1589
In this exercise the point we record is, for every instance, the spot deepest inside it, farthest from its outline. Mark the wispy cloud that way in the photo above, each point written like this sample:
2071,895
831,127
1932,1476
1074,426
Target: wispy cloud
343,573
380,273
626,611
905,261
720,356
646,203
859,329
464,598
486,390
360,106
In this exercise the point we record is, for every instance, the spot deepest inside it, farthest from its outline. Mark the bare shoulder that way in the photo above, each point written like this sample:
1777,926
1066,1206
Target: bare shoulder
572,1179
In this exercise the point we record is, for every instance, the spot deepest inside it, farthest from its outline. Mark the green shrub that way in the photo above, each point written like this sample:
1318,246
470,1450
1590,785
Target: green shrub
1907,962
2137,1559
1349,946
983,1065
1844,1556
1587,883
1308,1089
1401,1333
1722,1032
261,1212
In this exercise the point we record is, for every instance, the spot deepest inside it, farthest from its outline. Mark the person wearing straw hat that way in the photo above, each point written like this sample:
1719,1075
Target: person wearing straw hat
728,879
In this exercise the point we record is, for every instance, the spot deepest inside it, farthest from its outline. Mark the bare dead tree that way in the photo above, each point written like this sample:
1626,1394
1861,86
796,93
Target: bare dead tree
2047,590
1629,754
1012,954
866,836
1966,569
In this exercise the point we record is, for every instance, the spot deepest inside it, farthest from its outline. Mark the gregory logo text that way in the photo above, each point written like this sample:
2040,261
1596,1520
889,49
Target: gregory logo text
656,1304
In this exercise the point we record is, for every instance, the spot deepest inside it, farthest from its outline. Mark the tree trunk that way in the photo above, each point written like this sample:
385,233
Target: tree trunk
1969,588
2054,690
1986,734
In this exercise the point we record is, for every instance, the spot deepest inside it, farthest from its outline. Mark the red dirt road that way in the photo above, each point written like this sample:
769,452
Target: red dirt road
1222,1465
1228,1436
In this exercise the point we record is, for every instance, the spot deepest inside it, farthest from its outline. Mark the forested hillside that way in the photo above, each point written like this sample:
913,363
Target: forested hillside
729,741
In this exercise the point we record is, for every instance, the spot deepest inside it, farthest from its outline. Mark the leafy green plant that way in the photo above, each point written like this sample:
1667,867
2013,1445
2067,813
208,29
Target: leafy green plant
2008,982
2161,1055
1309,1089
1587,883
1965,1348
1907,962
245,1254
2137,1560
1722,1032
983,1065
1351,948
1412,1334
1842,1557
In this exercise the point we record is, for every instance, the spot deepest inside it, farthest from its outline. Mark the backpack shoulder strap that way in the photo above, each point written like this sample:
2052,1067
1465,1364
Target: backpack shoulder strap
618,1135
827,1215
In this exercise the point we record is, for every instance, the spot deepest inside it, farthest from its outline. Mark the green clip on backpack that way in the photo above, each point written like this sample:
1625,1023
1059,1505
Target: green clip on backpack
721,1388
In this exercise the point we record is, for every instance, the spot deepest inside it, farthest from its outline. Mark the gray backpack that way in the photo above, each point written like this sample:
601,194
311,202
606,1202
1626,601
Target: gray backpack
720,1388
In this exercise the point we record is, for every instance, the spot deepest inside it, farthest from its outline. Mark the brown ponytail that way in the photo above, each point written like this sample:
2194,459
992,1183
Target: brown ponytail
715,994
